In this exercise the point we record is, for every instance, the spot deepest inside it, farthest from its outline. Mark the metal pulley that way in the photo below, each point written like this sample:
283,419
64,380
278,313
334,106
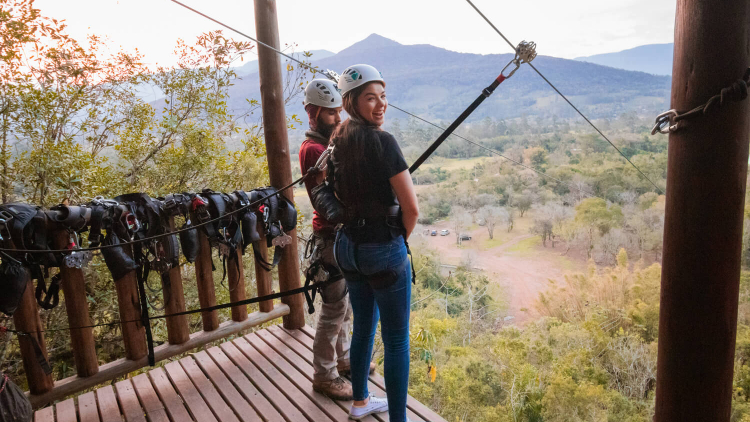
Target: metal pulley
525,53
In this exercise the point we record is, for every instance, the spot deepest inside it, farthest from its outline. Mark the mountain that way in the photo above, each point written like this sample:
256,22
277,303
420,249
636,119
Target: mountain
252,66
439,84
652,58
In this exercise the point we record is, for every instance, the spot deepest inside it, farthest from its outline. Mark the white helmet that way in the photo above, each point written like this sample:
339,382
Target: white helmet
323,93
358,75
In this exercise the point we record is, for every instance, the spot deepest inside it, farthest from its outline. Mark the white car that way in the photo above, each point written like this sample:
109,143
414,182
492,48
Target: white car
444,232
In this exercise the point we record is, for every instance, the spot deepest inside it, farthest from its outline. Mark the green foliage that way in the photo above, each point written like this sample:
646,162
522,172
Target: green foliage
73,126
592,357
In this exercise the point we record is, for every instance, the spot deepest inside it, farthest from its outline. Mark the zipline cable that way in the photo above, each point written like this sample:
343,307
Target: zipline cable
565,98
313,69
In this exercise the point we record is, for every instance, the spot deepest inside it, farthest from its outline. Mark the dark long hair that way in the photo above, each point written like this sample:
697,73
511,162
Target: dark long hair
357,152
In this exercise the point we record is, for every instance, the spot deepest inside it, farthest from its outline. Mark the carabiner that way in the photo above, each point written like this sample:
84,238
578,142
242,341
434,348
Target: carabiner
665,122
514,61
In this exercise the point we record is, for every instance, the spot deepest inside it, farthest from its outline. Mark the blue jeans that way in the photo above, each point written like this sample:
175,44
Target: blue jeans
358,266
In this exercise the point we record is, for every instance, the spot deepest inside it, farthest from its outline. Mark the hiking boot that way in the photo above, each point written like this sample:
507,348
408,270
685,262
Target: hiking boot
346,370
374,405
337,388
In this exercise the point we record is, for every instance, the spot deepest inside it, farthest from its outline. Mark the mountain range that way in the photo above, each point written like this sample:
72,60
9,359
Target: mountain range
252,66
436,83
652,58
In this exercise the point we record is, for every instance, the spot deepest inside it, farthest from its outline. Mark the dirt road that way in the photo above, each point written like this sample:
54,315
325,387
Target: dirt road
517,261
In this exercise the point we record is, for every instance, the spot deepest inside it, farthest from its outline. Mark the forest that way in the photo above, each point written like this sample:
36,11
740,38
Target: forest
74,125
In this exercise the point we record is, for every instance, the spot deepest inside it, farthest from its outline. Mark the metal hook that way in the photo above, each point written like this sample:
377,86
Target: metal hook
665,122
514,61
525,53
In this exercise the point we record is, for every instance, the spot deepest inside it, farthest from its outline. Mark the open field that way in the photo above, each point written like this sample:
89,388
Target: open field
514,260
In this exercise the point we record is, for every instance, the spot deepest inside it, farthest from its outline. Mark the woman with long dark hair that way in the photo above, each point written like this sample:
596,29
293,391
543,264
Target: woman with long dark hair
372,180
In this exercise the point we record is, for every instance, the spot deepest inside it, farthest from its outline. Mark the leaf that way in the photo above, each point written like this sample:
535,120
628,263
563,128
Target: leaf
433,373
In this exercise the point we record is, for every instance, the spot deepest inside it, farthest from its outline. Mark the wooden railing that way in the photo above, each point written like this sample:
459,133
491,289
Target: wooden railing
43,389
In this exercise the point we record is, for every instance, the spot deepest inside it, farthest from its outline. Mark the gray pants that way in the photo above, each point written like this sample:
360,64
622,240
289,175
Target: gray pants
332,335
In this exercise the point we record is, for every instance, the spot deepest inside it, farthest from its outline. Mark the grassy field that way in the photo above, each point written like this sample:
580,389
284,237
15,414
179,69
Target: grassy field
451,164
501,234
525,247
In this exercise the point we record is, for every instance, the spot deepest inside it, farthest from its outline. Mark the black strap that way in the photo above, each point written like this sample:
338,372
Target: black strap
43,362
460,119
411,259
141,275
310,294
51,295
266,265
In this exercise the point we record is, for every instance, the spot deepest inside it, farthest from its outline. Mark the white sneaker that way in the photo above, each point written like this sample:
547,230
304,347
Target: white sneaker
375,405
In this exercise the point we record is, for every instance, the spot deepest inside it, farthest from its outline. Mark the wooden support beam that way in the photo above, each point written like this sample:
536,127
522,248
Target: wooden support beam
706,178
277,146
77,308
133,333
263,277
120,367
236,283
205,279
178,331
26,318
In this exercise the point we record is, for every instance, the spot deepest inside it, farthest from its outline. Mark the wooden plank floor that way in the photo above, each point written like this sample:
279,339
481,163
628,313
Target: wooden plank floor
263,376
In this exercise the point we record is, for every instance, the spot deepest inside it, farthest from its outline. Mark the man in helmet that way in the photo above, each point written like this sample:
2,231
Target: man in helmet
332,339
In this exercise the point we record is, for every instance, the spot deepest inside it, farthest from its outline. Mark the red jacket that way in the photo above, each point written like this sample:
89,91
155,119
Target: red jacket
309,153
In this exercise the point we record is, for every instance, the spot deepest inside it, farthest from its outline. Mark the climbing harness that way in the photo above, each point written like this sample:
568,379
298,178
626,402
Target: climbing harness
671,120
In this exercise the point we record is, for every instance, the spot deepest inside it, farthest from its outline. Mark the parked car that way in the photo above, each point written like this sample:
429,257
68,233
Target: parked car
465,237
433,233
444,232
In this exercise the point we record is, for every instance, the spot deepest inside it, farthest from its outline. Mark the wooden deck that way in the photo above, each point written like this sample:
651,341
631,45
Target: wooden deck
263,376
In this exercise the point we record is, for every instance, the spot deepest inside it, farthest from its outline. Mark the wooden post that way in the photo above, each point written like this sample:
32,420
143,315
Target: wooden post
236,283
26,318
76,306
133,333
277,147
706,175
178,331
263,277
205,279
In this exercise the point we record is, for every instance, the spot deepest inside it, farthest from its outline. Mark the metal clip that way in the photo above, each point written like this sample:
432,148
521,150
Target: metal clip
665,122
4,218
100,200
514,61
282,240
330,74
525,53
322,162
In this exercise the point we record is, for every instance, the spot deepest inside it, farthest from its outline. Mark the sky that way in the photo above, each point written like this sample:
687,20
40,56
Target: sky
566,29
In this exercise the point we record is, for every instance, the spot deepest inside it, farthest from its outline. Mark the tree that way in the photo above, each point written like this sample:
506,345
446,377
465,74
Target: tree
543,227
509,217
491,215
597,219
73,96
524,202
20,28
460,219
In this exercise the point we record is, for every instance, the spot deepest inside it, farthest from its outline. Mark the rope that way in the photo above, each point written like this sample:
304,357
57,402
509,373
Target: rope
567,100
158,236
669,121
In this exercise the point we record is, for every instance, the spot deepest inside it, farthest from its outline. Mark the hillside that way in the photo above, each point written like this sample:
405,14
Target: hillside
251,66
439,84
653,58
